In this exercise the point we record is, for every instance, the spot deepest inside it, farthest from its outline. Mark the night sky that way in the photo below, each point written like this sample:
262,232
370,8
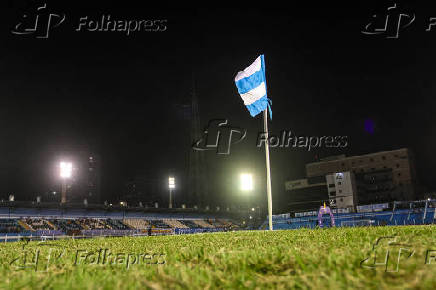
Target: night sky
122,95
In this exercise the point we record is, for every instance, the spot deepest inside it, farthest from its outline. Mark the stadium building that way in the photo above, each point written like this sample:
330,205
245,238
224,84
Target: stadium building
306,193
348,181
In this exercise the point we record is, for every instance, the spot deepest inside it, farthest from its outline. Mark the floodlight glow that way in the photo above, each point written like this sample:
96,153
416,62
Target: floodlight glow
171,182
246,182
66,169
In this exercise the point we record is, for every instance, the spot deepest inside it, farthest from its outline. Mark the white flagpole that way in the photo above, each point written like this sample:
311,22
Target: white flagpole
268,171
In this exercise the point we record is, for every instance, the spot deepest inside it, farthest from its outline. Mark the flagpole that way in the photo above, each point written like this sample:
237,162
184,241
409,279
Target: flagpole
268,171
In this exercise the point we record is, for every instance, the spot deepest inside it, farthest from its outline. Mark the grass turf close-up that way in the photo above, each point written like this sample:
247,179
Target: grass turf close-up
368,257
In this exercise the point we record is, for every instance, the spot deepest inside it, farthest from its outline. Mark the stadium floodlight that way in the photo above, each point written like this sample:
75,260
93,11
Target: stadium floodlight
171,182
171,186
246,181
66,170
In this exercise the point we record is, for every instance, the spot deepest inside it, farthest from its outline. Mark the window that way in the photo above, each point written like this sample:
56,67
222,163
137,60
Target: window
384,157
399,174
340,191
339,183
398,165
371,159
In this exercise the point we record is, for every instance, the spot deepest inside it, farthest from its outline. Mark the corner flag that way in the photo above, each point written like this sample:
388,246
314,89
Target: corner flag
251,84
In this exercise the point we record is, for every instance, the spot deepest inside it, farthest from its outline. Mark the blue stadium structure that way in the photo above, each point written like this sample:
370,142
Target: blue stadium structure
388,214
37,221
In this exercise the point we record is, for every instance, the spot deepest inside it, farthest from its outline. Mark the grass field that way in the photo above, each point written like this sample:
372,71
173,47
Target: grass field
318,259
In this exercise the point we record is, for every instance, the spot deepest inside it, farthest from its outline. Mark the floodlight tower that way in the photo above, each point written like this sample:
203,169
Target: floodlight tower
171,186
66,169
247,186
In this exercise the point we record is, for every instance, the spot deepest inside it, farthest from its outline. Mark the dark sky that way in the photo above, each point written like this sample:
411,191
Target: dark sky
120,95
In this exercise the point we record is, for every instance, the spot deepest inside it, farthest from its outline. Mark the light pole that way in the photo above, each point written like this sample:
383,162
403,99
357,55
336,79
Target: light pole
171,186
66,169
247,186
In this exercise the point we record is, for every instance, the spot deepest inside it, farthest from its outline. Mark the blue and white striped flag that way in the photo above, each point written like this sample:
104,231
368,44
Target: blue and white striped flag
251,84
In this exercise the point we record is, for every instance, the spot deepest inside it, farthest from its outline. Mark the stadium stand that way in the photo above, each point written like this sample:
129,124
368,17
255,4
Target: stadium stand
158,224
221,224
37,224
383,218
190,224
117,224
24,225
10,226
45,221
89,224
65,225
139,224
118,227
203,224
175,224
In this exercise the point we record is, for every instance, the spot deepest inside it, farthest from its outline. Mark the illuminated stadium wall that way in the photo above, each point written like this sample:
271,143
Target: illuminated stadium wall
305,194
373,172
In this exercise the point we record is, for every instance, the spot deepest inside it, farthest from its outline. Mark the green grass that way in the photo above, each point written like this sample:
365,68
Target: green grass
316,259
